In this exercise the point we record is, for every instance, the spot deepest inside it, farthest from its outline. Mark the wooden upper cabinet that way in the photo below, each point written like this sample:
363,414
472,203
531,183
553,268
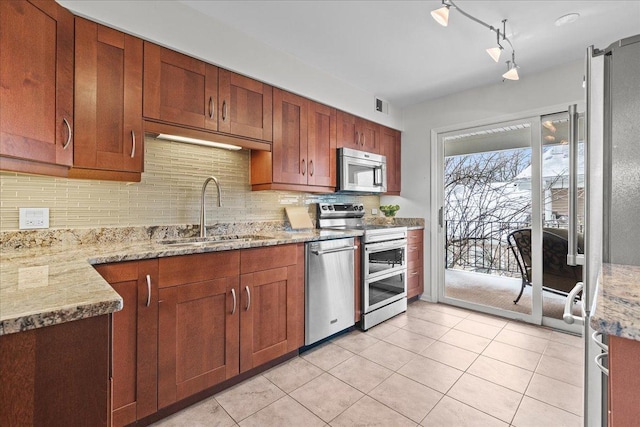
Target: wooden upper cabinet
245,107
179,89
357,133
36,100
108,99
391,149
290,115
321,145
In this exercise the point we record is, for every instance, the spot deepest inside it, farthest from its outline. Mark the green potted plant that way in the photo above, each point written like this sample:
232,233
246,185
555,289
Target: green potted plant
389,211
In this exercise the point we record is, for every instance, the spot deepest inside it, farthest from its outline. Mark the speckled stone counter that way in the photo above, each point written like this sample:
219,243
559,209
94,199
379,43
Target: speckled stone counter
47,278
410,223
617,305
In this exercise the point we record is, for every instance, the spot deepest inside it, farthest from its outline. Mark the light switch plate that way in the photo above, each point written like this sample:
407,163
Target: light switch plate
32,218
374,211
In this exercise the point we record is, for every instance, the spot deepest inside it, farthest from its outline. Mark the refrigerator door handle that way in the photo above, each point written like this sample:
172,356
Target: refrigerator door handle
572,255
567,316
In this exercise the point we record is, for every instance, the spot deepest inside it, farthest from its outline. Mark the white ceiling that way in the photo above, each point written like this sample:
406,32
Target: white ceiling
395,50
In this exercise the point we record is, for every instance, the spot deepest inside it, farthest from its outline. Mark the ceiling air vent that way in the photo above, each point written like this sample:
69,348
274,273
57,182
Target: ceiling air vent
382,106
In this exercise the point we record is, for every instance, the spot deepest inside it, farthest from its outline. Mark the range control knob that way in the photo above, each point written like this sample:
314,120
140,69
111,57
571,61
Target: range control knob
323,207
361,208
330,207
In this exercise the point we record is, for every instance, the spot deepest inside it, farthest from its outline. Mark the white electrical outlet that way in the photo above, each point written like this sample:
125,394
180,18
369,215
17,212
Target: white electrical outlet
374,211
31,218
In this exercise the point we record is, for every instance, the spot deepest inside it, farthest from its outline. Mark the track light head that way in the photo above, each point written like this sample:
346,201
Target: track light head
512,71
441,15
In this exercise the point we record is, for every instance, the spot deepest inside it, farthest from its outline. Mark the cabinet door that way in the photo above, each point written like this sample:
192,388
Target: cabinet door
348,136
179,89
245,107
108,99
268,323
321,145
290,115
134,339
197,337
36,70
624,381
391,149
369,133
415,263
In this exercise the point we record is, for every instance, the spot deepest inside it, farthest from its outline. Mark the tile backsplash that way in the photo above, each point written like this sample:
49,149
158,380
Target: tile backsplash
169,193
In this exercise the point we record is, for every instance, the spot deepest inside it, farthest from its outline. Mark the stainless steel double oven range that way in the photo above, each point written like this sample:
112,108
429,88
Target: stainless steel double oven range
384,261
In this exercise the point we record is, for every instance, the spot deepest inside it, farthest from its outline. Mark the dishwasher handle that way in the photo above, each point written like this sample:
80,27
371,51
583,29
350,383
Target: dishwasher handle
331,251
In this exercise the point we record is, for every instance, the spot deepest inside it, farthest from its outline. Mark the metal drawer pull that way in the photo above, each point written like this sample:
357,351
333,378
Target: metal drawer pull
148,290
598,360
414,273
224,111
331,251
364,139
304,167
233,294
567,316
310,167
133,143
595,336
69,133
211,107
246,288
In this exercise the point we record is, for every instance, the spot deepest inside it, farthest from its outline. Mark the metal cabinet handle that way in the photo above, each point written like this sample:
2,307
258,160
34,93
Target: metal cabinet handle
211,105
148,290
364,139
598,360
357,138
69,133
246,288
414,273
233,294
133,143
310,167
567,316
304,167
595,336
224,111
331,251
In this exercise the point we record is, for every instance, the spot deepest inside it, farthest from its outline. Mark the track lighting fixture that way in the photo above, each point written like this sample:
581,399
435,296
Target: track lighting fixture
441,16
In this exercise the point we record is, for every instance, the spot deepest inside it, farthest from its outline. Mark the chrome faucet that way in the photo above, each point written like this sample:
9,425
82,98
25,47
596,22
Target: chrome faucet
203,230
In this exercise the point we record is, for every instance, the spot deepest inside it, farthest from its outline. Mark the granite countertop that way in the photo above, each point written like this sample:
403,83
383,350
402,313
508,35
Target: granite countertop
617,304
46,285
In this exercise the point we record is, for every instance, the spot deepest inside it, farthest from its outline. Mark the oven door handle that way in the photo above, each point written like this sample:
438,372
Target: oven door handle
377,176
331,251
380,246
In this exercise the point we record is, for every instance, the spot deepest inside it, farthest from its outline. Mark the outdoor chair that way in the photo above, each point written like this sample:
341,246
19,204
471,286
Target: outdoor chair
557,276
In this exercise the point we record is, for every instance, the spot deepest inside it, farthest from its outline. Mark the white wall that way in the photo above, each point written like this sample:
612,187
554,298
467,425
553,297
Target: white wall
174,25
558,86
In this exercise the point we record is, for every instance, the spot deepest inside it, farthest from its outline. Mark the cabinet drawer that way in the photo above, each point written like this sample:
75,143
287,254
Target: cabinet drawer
414,281
414,252
119,272
415,236
258,259
179,270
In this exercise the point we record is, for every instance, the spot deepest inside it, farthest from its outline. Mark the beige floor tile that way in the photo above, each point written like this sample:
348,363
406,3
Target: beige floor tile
448,309
561,370
355,341
501,373
533,413
488,319
248,397
465,340
205,413
450,412
382,330
361,373
451,355
486,396
565,352
428,329
411,399
518,339
368,412
388,355
567,339
556,393
326,396
476,328
435,316
513,355
525,328
285,412
433,374
292,374
398,321
409,340
327,355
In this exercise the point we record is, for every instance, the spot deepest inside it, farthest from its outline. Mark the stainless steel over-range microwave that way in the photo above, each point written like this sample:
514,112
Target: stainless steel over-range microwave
361,172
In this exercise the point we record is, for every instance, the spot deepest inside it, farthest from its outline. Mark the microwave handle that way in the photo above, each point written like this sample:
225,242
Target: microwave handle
377,176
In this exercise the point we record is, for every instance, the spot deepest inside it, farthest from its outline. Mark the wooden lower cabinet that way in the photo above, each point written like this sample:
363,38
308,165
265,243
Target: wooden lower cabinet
415,263
134,339
357,280
624,381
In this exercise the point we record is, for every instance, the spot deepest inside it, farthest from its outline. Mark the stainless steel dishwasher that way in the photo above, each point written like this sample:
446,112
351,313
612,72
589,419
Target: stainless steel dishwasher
329,298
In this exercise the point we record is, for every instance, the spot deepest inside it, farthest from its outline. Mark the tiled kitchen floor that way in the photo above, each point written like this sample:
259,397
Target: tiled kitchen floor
436,365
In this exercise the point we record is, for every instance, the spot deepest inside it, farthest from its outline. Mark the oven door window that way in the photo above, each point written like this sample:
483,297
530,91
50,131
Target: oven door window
381,262
360,175
383,291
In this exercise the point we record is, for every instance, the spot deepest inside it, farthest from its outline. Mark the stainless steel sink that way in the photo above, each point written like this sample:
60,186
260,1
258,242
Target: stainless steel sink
211,240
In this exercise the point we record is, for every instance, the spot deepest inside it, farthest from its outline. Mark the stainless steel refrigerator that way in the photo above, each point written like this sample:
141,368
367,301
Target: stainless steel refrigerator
612,142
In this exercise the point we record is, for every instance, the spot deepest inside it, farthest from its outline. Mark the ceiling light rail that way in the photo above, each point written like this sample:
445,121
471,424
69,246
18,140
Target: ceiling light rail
441,16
